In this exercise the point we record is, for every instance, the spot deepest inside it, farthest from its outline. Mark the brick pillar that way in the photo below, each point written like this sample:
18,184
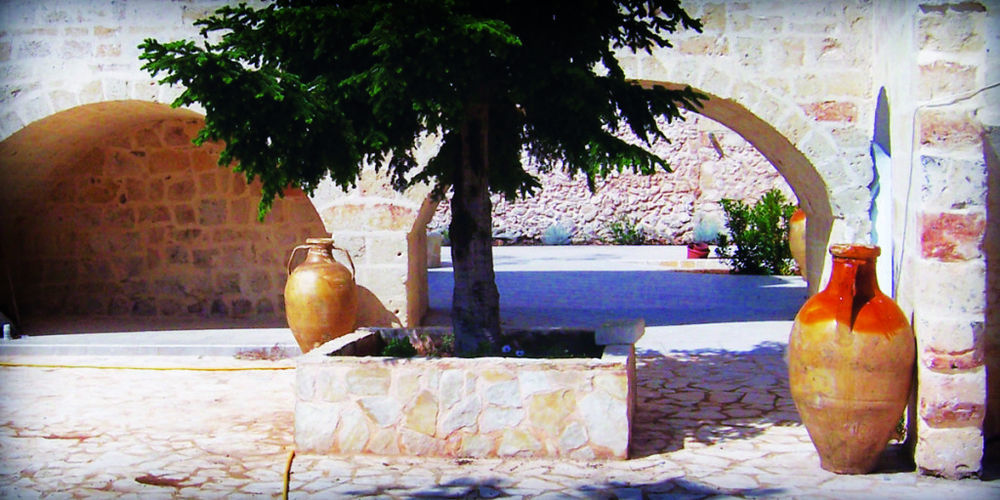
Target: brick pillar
949,312
385,233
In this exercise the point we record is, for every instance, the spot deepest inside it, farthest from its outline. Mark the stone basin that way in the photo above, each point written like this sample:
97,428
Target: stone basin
351,401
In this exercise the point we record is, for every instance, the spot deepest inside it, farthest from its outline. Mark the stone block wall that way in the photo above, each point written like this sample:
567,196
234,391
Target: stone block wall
709,161
145,224
940,113
464,407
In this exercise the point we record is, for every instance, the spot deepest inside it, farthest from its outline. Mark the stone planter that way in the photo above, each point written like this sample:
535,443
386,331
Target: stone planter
351,402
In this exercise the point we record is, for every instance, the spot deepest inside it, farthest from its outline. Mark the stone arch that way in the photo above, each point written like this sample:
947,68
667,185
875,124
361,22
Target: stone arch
112,213
807,183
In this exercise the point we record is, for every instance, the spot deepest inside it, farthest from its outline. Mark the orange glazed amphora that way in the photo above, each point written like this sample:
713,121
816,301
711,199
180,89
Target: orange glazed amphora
321,298
850,364
797,239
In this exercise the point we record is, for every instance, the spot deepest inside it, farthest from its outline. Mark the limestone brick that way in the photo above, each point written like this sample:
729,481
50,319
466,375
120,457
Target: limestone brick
950,31
953,453
951,287
421,415
951,236
832,111
750,51
548,411
952,399
475,445
950,183
602,431
951,342
383,442
371,217
713,17
707,45
945,78
517,442
945,129
384,411
353,431
387,248
115,89
651,69
463,415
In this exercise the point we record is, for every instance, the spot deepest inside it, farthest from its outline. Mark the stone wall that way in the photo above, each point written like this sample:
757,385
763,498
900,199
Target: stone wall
933,61
578,408
145,224
667,206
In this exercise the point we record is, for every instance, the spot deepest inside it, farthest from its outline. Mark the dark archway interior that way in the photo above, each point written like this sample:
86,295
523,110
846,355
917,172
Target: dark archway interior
114,220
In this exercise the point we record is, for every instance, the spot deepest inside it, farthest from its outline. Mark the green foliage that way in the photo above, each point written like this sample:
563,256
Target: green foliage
430,346
300,90
445,347
399,348
759,234
625,231
557,234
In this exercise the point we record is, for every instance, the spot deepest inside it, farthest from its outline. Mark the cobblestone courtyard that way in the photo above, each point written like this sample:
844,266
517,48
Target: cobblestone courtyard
708,423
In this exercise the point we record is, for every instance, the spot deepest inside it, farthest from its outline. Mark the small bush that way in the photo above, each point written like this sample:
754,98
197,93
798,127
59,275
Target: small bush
399,348
759,235
625,231
557,234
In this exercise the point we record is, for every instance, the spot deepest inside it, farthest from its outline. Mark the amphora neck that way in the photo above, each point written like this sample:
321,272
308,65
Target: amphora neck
320,249
853,279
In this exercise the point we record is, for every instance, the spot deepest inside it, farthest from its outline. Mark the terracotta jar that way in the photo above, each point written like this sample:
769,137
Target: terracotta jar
697,250
850,364
797,239
321,298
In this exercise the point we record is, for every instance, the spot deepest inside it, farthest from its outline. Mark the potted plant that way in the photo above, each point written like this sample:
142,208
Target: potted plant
705,232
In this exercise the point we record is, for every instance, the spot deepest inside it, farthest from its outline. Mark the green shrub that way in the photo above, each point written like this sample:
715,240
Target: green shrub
625,231
759,235
399,348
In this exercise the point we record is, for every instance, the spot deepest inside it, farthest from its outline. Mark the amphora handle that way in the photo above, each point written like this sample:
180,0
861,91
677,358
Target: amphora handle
327,242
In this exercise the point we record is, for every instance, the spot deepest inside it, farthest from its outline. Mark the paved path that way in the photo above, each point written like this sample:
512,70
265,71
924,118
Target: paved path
708,424
714,416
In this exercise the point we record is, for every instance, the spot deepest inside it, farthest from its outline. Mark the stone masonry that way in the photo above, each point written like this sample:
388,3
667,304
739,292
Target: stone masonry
145,224
799,81
578,408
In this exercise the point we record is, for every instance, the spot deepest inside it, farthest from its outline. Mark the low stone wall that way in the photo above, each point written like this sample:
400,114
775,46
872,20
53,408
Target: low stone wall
578,408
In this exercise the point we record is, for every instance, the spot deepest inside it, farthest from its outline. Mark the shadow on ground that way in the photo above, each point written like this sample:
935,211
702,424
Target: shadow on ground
709,396
662,298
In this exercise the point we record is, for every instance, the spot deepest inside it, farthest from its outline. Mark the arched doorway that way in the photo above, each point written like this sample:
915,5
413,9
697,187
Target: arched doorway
112,214
798,171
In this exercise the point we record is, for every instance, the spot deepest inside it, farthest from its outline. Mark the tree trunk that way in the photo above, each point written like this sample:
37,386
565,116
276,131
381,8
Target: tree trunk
475,310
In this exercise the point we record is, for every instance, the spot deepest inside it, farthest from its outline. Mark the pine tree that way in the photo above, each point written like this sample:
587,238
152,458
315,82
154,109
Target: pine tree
300,90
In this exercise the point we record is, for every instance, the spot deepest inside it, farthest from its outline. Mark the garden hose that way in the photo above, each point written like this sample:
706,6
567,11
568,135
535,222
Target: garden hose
151,368
288,474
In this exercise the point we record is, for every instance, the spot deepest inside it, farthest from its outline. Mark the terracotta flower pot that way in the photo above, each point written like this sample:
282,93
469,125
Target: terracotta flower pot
797,239
321,298
850,364
697,250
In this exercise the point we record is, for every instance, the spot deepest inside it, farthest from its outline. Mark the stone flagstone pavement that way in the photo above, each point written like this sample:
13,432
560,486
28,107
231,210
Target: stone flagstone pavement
709,424
714,417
